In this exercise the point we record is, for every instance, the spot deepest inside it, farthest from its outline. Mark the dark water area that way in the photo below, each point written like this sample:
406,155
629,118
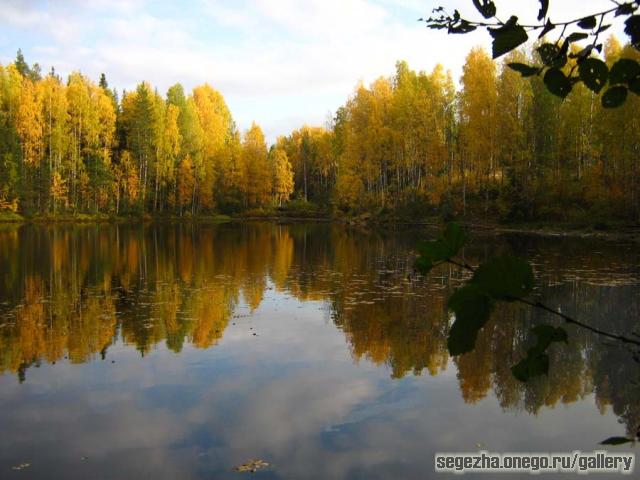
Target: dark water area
179,352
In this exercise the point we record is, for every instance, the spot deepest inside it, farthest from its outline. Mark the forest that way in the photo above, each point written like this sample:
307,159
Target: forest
413,145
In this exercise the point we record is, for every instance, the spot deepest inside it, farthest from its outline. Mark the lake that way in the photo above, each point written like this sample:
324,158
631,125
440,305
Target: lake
181,351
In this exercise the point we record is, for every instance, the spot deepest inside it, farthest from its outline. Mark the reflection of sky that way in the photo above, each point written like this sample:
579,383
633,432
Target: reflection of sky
290,395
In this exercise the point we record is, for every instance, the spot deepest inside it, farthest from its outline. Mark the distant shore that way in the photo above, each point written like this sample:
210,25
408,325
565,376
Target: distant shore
614,230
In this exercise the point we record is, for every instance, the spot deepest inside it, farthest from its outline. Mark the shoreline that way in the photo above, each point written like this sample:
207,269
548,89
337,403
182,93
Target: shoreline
618,231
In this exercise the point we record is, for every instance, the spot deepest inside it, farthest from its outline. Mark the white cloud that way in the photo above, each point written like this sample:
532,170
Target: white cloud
324,19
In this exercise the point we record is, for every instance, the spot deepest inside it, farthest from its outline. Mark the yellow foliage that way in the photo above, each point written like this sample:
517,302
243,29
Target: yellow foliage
185,182
29,124
8,205
255,178
59,189
282,175
129,177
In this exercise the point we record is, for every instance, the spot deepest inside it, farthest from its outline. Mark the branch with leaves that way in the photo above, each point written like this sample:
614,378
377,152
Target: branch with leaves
622,77
506,279
501,279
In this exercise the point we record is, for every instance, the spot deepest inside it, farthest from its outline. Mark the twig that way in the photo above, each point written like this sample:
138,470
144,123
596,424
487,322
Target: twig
566,318
542,25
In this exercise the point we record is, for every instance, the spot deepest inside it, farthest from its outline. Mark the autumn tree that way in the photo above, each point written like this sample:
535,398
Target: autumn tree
185,184
30,128
56,136
514,154
478,110
282,175
216,123
170,151
10,148
256,181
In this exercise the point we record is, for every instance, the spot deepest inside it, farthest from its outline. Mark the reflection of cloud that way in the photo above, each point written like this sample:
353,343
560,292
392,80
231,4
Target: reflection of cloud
309,423
101,423
310,401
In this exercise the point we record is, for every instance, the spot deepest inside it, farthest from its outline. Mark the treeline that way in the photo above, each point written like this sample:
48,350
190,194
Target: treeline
74,146
500,146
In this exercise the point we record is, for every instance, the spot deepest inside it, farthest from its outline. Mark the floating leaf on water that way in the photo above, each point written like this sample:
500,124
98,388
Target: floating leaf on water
616,441
252,466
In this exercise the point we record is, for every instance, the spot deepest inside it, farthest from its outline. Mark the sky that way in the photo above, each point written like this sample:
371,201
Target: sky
281,63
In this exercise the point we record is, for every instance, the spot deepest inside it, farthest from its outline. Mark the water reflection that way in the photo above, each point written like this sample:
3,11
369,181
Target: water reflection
72,293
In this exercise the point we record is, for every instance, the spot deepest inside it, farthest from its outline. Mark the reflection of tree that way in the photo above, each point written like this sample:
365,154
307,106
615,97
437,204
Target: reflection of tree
48,328
72,291
385,315
86,286
602,292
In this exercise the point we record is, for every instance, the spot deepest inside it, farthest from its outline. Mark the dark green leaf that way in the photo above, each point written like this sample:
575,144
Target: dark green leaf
448,244
544,8
521,370
547,28
593,73
588,23
557,83
623,71
523,69
462,27
430,253
625,9
551,55
634,85
616,441
486,7
423,265
472,308
548,334
454,238
504,278
632,28
537,361
584,53
614,97
508,37
548,53
531,366
603,28
539,365
576,37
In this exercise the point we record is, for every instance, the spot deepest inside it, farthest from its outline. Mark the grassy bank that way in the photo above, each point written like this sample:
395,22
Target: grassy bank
8,217
291,211
301,211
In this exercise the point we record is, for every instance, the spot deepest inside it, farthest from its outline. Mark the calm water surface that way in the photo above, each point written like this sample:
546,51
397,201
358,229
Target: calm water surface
179,352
